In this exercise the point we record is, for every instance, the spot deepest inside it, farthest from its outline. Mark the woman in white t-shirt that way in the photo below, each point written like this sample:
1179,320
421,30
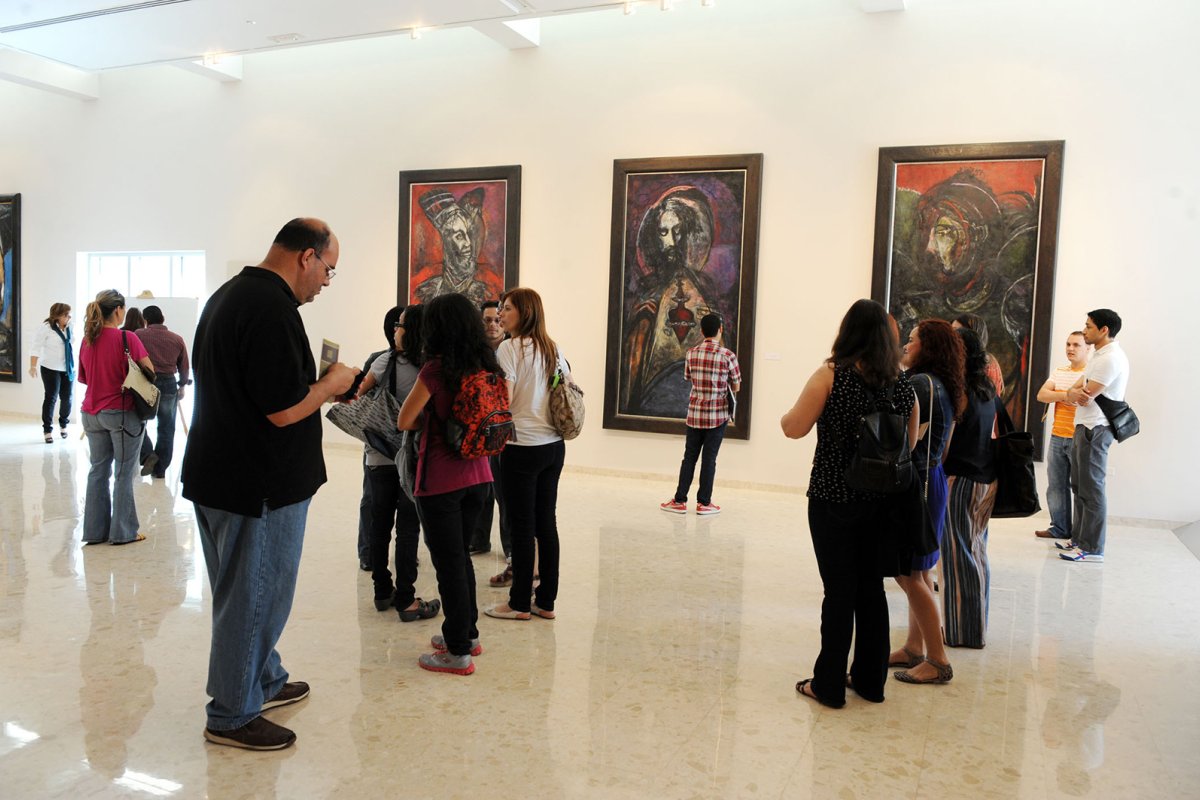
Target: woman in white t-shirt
52,345
533,461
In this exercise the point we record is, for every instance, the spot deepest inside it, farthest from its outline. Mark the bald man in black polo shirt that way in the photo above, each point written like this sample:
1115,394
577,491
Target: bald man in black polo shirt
252,464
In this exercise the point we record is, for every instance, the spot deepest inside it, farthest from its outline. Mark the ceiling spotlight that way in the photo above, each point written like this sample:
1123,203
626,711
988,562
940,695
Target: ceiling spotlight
415,33
630,8
708,3
666,5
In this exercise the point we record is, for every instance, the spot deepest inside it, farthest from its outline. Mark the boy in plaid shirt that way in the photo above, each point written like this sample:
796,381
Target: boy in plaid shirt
712,369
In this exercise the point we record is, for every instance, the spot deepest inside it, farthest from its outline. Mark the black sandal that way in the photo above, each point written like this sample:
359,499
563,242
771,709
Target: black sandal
811,694
423,610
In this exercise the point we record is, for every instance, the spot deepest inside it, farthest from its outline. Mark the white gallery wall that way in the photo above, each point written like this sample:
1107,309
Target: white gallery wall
166,159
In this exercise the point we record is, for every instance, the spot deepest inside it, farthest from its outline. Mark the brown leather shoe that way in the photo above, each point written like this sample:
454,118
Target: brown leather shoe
1044,535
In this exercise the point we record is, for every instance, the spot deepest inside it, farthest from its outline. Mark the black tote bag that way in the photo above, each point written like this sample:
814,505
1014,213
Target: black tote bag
1016,485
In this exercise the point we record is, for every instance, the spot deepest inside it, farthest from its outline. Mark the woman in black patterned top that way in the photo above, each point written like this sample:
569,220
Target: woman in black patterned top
848,527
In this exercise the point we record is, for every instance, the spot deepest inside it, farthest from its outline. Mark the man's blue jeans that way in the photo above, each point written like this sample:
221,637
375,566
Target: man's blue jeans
252,566
1088,472
164,444
702,443
1058,485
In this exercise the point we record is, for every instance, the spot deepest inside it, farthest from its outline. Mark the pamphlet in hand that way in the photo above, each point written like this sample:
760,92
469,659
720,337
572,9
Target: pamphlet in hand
329,356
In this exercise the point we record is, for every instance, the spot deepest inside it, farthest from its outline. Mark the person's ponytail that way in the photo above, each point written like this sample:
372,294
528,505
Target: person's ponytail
100,309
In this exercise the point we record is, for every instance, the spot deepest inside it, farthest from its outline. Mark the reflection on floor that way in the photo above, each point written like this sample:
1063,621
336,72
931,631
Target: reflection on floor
669,672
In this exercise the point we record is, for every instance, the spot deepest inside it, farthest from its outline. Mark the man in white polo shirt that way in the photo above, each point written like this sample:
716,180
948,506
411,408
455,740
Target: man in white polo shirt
1108,374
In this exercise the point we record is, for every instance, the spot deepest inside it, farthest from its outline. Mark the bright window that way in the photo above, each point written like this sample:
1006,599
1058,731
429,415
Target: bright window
163,274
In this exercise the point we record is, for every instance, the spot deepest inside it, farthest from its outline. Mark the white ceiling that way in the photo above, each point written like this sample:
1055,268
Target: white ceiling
100,34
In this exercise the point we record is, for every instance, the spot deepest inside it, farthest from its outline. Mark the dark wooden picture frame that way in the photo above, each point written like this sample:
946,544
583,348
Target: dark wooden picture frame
480,209
662,283
10,297
973,228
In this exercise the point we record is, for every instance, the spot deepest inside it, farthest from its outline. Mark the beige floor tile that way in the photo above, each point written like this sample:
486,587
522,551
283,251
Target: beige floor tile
669,673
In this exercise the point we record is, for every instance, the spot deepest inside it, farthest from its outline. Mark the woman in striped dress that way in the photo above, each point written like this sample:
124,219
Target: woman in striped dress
971,473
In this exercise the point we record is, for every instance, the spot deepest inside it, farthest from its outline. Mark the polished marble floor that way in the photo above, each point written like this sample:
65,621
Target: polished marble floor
669,672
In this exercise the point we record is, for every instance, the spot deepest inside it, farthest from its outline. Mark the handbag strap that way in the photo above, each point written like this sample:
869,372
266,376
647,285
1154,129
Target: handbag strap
929,441
1004,423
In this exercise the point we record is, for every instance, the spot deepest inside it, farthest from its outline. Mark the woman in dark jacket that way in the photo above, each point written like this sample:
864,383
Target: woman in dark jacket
971,471
862,374
390,506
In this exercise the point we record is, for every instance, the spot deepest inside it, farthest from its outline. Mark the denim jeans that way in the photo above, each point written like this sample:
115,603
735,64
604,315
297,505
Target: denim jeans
252,565
702,443
58,387
1088,471
530,489
390,507
164,446
449,521
1058,485
114,436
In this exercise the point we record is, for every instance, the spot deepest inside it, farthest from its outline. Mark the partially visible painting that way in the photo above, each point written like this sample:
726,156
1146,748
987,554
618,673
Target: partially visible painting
684,244
10,288
460,232
973,229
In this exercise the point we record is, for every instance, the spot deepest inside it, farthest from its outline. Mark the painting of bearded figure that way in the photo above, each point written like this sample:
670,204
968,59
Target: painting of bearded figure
684,244
971,230
459,233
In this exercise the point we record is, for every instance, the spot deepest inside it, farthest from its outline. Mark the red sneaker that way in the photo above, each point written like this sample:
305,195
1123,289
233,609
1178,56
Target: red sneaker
707,508
673,507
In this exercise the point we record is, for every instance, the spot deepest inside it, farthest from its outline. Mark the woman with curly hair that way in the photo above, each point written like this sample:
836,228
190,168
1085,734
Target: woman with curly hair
934,358
450,490
971,471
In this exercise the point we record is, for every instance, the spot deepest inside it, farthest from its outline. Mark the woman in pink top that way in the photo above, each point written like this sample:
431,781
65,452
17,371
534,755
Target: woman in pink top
114,432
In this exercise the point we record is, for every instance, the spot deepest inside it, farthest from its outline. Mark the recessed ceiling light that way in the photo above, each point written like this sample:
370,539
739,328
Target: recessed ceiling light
251,22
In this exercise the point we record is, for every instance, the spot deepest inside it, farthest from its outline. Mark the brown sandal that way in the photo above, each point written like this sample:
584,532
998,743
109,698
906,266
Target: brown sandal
945,673
503,579
912,660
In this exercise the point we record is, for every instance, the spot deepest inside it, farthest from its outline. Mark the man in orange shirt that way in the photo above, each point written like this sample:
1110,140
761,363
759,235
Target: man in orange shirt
1058,461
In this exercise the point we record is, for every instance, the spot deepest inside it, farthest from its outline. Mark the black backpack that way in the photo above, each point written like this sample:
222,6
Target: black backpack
882,461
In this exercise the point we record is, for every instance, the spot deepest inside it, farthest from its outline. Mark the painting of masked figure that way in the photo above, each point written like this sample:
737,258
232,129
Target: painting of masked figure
684,245
972,230
459,233
10,288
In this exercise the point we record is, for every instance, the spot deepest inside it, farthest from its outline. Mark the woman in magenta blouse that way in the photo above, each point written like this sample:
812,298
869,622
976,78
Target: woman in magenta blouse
450,490
114,432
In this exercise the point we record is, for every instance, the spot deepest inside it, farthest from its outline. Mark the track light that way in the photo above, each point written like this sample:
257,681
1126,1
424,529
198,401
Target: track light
666,5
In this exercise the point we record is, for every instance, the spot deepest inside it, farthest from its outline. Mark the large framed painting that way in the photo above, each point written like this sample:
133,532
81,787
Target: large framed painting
10,288
684,244
460,231
973,229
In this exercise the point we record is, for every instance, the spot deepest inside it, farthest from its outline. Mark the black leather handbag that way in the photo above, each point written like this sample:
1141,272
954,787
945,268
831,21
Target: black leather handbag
1120,416
1016,484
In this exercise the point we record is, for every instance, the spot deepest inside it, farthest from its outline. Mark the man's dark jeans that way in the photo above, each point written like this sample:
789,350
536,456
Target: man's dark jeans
702,443
164,444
